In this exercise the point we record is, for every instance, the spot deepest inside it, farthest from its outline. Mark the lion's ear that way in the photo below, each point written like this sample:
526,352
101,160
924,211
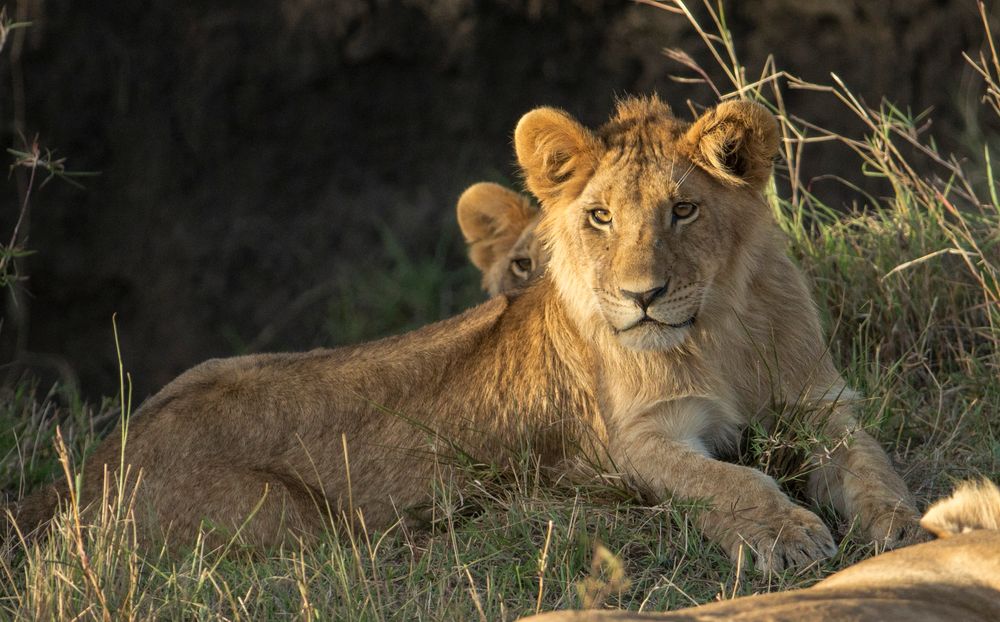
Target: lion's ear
556,153
492,218
974,505
735,142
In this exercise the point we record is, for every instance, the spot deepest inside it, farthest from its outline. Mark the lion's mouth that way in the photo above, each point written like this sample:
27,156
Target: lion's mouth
684,324
648,321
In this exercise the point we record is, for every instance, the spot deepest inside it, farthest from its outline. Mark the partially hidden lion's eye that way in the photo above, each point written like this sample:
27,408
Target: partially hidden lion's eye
600,218
684,211
521,267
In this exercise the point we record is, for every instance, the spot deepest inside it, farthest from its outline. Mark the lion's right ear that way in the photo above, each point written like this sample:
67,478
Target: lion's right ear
736,142
492,218
974,505
556,153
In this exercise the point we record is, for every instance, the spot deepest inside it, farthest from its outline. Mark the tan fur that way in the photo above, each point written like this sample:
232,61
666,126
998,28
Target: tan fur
973,506
498,225
735,142
945,581
573,364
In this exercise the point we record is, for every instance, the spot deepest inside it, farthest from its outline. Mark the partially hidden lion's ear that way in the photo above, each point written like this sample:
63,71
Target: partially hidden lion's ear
492,218
556,153
974,505
735,142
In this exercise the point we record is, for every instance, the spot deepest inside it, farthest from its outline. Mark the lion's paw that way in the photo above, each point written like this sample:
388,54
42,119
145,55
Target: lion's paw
891,525
794,539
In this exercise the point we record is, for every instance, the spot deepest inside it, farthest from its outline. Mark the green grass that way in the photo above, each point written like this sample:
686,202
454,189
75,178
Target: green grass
410,292
910,290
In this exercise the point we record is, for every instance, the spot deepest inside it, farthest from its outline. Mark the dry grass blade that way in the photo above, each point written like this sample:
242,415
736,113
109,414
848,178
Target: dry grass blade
76,528
988,68
607,577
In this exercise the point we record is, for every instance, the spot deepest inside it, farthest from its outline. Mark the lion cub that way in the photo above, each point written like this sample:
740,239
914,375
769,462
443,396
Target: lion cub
668,318
499,228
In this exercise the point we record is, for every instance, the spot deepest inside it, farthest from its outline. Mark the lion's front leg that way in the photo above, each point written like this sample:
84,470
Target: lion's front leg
745,508
854,474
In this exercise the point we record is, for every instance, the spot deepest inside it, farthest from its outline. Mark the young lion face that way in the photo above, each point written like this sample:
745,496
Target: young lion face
499,228
652,222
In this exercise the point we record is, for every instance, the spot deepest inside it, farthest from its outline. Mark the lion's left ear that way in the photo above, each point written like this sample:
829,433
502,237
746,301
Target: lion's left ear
492,218
736,142
556,153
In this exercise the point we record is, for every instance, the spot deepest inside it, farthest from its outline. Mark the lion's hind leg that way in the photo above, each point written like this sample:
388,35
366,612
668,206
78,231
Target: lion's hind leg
229,505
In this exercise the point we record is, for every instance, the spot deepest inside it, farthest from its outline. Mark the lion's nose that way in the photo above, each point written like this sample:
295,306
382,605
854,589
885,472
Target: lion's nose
646,298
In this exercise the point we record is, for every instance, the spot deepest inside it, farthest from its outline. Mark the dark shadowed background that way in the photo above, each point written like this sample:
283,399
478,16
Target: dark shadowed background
282,174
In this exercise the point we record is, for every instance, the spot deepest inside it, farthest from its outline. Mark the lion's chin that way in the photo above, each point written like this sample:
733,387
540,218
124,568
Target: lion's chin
653,335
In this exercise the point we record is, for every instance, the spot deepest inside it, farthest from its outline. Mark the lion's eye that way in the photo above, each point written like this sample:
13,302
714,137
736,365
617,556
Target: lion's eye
684,211
521,267
600,217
